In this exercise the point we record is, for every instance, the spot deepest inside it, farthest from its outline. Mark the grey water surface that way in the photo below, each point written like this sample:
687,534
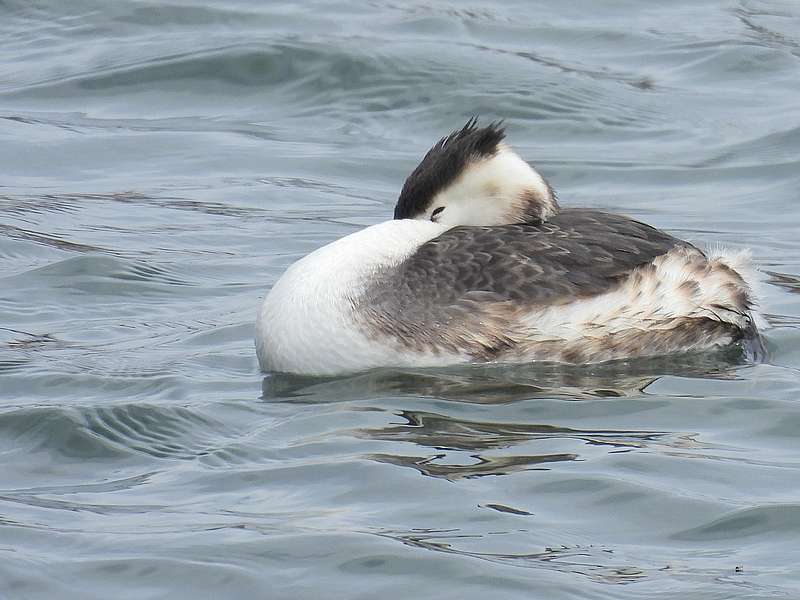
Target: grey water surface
162,163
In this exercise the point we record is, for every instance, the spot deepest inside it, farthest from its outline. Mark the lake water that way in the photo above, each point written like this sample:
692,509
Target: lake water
161,165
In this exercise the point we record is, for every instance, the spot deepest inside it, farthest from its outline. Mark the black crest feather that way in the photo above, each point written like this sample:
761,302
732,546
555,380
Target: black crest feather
445,162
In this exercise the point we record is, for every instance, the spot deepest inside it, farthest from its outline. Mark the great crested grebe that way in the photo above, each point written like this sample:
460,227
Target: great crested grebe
480,264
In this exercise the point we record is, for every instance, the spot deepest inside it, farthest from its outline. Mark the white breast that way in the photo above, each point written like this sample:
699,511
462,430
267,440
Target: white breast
305,324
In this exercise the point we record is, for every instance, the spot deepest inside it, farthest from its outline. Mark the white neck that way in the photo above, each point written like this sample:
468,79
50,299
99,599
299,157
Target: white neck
305,323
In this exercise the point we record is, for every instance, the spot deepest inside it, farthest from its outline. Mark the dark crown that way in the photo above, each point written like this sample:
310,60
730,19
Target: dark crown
443,163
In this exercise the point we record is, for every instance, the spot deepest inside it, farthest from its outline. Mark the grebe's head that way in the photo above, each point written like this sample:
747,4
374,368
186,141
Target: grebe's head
471,177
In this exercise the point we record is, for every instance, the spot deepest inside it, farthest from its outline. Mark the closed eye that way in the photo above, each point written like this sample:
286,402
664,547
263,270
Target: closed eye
436,212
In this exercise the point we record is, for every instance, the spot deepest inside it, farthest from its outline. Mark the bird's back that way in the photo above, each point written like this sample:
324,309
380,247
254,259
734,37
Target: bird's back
577,253
583,286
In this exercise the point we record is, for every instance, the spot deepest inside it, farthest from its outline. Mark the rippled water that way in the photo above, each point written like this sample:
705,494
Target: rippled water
161,164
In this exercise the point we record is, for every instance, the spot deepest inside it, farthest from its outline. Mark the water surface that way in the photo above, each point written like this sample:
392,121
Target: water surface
161,165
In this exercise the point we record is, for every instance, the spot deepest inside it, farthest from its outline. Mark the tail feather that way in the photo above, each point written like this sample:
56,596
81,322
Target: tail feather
755,349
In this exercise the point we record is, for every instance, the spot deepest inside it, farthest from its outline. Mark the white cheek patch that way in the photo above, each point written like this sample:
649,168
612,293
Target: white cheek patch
500,190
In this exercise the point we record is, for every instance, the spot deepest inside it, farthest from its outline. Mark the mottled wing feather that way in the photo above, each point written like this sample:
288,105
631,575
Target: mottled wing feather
463,291
577,253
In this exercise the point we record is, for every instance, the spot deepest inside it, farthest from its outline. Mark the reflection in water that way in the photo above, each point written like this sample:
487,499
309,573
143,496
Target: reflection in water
452,438
457,448
448,433
483,465
595,562
498,384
